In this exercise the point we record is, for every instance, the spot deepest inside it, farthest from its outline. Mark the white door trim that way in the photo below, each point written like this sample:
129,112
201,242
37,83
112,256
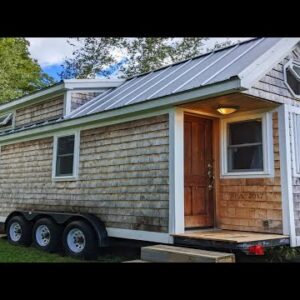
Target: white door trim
176,171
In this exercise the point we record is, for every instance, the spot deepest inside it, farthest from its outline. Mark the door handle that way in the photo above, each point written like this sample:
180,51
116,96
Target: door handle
211,177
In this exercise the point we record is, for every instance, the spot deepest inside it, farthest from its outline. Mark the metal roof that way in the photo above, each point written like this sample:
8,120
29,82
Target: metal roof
200,71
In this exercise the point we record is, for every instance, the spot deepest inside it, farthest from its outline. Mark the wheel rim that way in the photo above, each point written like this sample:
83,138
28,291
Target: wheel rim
15,231
42,235
76,240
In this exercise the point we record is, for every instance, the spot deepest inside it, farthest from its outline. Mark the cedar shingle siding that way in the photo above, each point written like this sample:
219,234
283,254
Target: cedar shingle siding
247,203
123,176
41,111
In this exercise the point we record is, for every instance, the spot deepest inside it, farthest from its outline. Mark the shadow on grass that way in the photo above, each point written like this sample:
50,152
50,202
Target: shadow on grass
18,254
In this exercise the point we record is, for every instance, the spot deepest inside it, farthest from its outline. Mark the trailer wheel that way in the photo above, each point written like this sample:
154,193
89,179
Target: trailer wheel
18,231
46,235
80,241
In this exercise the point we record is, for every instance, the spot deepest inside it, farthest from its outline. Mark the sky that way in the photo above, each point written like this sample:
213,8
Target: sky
51,52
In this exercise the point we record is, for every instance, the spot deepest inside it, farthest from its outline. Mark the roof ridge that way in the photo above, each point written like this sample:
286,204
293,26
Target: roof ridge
195,57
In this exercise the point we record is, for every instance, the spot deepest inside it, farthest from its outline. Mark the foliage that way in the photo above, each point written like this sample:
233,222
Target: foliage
138,55
19,73
282,254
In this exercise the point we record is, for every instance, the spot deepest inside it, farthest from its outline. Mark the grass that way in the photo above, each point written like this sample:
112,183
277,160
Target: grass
17,254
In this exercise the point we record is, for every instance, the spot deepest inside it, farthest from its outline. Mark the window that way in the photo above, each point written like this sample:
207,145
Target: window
6,121
296,141
292,77
247,146
65,156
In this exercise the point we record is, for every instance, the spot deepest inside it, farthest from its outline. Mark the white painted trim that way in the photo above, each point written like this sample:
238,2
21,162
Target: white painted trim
222,88
110,121
265,62
294,142
268,152
289,65
140,235
68,103
32,97
2,219
68,84
75,158
176,171
10,115
92,83
286,175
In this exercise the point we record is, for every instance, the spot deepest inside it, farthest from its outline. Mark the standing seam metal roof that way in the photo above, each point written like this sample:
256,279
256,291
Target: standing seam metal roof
203,70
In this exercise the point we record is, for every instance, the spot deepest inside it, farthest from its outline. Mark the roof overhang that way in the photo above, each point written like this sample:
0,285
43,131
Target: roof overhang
221,88
60,88
85,84
266,61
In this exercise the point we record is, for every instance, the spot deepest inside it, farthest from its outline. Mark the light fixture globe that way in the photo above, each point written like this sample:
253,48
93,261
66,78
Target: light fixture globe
227,110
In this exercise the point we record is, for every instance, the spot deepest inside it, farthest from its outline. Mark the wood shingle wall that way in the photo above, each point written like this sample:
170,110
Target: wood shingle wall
80,98
272,86
123,176
253,204
41,111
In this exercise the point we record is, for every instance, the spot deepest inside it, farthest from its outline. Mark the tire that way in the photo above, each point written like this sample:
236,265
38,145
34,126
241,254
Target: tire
80,241
46,235
19,231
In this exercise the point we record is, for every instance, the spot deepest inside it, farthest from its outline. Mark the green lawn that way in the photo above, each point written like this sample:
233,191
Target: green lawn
18,254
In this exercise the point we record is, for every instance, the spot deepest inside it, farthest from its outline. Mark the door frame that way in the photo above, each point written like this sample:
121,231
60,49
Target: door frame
176,166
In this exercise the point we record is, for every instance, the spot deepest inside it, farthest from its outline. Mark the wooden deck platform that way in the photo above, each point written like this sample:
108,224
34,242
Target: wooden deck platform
228,239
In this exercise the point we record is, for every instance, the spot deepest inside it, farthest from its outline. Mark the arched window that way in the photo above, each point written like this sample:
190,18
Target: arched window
292,77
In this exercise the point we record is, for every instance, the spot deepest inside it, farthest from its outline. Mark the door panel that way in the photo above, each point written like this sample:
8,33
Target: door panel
198,202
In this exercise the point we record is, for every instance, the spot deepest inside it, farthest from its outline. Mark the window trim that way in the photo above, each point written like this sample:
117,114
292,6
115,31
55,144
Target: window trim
75,175
294,142
267,146
289,65
9,116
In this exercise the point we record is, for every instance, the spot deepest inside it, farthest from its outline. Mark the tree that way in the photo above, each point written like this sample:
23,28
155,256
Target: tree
19,73
131,55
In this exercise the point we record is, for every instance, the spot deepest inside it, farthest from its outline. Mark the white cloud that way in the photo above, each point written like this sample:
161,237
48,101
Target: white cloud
53,51
50,51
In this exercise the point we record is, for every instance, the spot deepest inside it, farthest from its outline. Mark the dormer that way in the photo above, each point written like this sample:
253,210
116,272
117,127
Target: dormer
81,91
52,103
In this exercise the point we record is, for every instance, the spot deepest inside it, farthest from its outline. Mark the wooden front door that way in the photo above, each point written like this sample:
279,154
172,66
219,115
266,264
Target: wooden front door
198,196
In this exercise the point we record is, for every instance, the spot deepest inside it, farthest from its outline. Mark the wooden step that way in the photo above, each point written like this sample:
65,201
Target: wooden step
166,253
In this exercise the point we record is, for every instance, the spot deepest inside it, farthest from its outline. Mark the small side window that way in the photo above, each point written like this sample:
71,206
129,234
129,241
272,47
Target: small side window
65,156
6,121
245,146
292,77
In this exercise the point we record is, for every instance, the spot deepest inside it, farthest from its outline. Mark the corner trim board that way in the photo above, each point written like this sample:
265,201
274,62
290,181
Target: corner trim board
176,170
286,174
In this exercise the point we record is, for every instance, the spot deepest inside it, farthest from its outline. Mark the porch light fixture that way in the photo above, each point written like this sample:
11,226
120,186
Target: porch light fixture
226,110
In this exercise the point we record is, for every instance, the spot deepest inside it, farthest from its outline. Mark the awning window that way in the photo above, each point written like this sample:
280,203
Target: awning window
6,120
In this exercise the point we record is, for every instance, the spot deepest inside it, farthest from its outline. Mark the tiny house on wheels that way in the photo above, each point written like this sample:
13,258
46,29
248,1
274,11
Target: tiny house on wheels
204,152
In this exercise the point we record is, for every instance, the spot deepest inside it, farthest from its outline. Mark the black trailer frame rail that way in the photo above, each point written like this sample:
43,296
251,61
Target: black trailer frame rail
228,245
